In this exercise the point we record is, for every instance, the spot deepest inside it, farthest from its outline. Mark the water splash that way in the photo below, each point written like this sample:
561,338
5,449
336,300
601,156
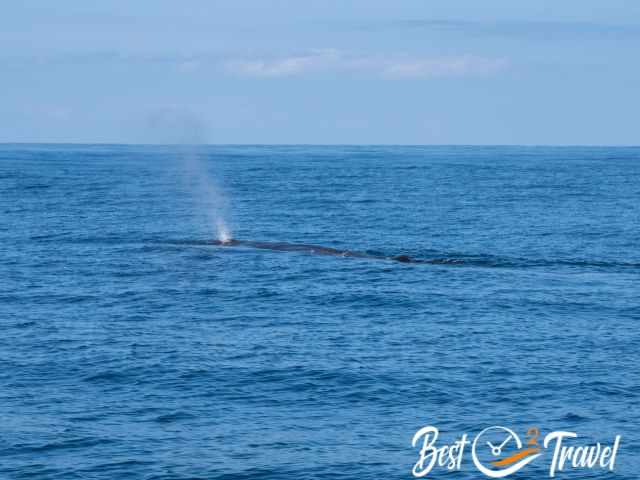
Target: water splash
188,130
223,232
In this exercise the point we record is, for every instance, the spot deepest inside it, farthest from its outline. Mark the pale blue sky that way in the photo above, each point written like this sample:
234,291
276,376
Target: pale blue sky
322,72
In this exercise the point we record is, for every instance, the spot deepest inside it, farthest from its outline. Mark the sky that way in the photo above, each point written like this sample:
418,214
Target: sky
321,72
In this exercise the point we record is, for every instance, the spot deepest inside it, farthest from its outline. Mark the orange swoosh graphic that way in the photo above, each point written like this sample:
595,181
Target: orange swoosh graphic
515,457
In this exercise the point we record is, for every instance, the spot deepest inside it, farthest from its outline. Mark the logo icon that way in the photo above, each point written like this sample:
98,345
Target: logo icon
498,451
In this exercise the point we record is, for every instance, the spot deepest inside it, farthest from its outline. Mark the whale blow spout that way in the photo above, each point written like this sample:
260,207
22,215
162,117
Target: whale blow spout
224,235
226,242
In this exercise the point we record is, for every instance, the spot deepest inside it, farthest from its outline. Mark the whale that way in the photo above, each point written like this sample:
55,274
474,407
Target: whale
433,258
321,250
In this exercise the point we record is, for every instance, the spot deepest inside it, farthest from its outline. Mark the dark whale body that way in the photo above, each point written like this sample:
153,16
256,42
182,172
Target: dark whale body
319,250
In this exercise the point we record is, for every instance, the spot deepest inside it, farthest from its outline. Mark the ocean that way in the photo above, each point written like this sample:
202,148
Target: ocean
135,347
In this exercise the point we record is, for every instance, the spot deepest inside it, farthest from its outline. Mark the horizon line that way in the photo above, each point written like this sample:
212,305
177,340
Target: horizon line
134,144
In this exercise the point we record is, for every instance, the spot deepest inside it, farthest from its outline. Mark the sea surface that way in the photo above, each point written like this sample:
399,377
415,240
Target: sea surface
132,348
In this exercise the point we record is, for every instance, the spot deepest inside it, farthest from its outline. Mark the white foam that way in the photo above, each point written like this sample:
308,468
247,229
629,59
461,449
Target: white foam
224,235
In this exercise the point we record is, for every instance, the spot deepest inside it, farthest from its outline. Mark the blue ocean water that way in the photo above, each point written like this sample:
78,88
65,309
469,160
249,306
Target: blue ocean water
131,348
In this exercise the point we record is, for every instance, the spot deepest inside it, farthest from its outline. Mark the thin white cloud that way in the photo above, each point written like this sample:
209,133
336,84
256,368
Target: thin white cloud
188,66
514,27
393,66
444,67
314,61
286,66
